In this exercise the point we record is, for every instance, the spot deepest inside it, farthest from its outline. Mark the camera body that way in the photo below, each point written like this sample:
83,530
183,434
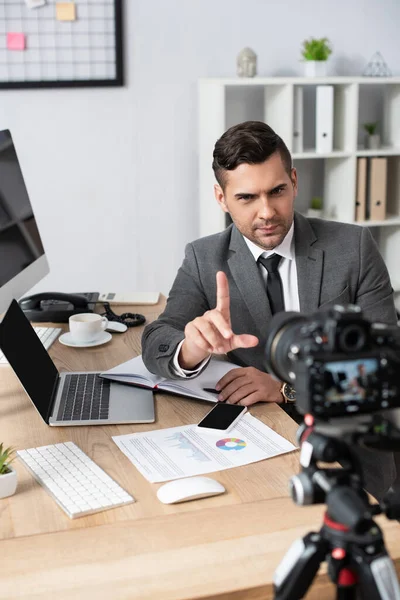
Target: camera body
339,363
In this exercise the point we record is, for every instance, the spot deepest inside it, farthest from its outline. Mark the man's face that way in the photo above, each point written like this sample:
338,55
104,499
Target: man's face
260,200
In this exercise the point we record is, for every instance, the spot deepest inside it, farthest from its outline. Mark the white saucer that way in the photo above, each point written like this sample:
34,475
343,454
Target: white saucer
67,340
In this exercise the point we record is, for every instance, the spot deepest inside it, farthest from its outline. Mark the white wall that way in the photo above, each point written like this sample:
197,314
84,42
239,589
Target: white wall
112,173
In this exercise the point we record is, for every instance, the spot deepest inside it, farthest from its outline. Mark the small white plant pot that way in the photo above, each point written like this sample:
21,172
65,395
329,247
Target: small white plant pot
373,141
8,483
315,68
313,212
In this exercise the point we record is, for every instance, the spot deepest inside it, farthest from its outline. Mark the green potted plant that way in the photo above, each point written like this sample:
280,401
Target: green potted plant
8,475
315,209
315,53
372,138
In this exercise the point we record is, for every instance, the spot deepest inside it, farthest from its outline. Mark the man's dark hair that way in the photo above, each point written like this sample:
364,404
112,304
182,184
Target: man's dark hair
252,143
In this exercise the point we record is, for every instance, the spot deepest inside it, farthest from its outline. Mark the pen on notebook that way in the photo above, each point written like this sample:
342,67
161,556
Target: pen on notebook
211,390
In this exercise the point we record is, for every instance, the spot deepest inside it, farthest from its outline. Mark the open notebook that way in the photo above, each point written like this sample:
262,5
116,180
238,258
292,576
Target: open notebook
134,372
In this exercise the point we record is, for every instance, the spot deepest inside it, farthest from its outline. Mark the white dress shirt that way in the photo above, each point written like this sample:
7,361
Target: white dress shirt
288,272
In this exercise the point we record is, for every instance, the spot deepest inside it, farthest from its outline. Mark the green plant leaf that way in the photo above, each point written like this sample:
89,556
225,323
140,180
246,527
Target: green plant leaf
370,128
316,203
316,49
6,457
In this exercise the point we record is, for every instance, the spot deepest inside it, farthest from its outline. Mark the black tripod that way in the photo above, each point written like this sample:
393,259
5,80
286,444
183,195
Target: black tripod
349,540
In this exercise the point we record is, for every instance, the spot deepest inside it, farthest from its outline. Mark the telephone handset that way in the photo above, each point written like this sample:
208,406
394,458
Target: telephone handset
57,307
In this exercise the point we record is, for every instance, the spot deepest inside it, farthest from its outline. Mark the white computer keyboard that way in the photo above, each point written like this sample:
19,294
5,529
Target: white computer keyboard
47,335
75,482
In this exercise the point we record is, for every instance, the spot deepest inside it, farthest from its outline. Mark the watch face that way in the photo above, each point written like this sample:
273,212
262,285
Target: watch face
289,392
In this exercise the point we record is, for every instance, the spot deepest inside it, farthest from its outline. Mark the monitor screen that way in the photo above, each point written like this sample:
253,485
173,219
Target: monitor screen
23,262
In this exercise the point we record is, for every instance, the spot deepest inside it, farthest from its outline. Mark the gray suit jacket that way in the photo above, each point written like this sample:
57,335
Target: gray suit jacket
336,263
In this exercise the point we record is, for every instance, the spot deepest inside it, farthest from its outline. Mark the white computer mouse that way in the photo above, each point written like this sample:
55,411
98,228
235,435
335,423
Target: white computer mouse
190,488
116,327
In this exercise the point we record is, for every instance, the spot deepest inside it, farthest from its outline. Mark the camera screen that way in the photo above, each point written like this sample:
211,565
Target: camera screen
352,380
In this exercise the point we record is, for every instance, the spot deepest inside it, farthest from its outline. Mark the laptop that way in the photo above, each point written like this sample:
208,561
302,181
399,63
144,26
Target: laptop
77,398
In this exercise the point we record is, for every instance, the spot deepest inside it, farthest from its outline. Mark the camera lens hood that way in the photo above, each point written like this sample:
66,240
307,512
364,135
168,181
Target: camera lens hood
276,327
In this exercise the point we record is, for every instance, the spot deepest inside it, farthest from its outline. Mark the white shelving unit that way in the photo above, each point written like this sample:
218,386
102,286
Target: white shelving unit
332,175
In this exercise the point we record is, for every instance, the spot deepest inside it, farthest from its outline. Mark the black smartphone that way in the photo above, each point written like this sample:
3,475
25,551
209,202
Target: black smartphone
222,417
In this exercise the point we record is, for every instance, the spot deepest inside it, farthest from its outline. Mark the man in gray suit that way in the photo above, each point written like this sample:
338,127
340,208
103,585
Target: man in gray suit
226,290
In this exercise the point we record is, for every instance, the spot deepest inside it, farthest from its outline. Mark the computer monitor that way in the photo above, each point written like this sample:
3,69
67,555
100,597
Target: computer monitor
23,261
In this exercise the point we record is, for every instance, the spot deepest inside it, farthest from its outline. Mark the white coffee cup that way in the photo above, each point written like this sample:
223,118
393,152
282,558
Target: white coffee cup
87,327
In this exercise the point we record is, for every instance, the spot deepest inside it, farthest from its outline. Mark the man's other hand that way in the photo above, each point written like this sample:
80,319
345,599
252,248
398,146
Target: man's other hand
212,333
248,385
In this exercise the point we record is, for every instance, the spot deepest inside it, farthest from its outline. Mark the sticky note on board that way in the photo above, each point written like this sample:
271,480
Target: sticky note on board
35,3
15,41
65,11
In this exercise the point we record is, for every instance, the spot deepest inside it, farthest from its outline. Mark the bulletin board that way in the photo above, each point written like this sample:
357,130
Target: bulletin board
60,44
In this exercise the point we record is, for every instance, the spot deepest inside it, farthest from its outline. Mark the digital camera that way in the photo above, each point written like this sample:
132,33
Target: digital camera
339,363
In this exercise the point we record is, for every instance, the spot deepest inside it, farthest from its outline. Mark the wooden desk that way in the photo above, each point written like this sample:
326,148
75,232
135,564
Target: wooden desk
225,547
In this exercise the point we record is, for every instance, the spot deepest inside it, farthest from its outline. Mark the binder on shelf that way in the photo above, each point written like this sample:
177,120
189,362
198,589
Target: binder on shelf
324,119
298,144
361,197
377,188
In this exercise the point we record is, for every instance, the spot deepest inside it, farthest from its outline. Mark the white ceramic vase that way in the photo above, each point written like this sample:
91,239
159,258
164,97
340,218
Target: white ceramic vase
8,483
373,141
313,212
315,68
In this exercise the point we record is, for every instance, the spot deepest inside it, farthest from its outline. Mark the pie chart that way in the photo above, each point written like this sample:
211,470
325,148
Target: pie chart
231,444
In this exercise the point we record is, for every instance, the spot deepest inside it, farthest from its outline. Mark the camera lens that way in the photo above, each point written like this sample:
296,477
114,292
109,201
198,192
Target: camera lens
301,489
352,338
282,330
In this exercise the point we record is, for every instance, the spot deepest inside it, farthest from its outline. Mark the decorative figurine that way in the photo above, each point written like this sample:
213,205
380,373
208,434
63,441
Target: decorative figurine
247,63
377,67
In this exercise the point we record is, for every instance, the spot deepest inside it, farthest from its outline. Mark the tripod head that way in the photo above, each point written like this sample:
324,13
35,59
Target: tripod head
342,488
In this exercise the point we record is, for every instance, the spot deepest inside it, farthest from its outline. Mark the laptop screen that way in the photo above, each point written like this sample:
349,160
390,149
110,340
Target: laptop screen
28,358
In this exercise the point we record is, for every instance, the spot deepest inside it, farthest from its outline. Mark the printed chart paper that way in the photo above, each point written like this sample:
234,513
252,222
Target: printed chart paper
177,452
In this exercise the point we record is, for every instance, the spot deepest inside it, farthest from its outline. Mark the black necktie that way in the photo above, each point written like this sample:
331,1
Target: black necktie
274,282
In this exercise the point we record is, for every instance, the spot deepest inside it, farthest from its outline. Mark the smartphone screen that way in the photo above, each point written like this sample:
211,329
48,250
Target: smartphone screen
222,416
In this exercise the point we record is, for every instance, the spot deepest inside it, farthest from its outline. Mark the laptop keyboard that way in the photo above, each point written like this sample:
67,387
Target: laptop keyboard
47,335
85,397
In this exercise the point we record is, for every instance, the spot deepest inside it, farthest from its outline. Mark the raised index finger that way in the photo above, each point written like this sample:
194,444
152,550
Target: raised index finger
223,300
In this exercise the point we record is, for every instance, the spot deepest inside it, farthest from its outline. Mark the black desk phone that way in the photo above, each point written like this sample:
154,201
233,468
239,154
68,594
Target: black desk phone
57,307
